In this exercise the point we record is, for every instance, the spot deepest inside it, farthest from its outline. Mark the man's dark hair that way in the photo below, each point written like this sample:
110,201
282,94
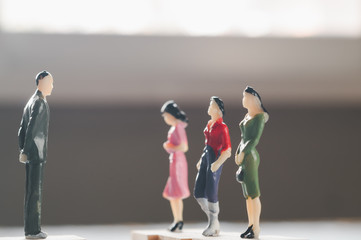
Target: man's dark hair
220,104
40,76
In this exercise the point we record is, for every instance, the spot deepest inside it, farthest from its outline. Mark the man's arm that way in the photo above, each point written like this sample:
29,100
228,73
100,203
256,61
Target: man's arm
29,135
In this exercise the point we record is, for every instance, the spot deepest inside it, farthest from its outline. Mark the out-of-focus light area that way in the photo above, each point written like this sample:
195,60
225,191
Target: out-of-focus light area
250,18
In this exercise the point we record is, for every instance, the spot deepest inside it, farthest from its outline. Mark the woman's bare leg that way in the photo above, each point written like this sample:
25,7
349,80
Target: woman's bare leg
250,211
177,209
256,211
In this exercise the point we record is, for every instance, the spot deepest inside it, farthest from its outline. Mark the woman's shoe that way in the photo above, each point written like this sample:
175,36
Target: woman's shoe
249,229
250,234
176,226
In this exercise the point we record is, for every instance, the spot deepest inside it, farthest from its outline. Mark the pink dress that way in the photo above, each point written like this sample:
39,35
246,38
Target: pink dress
177,184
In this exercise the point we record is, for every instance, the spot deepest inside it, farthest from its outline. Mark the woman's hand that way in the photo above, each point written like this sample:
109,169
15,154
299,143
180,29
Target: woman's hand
183,147
166,145
169,148
238,158
215,166
221,159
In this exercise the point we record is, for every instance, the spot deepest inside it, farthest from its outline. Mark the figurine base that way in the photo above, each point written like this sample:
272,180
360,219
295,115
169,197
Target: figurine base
54,237
196,234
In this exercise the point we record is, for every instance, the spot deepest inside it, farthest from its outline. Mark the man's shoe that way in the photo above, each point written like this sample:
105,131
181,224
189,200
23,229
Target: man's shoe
40,235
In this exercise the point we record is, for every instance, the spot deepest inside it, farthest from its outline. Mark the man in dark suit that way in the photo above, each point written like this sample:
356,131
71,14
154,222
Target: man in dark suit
33,142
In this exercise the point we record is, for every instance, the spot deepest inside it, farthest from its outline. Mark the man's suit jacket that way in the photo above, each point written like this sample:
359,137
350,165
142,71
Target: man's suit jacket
33,132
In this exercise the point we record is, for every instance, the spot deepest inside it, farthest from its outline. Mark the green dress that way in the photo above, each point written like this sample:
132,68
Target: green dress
251,133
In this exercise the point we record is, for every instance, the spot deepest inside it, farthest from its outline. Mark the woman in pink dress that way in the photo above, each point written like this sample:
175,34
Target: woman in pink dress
176,188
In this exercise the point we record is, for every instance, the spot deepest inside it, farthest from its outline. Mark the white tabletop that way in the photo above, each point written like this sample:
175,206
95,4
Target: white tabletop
328,230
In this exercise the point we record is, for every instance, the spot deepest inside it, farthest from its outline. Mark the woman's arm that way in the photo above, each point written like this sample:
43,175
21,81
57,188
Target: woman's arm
222,158
256,130
182,136
225,150
181,147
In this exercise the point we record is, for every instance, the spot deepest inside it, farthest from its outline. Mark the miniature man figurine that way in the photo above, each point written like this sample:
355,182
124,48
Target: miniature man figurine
33,142
215,153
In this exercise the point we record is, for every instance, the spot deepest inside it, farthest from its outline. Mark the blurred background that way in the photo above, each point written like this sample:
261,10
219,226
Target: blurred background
116,62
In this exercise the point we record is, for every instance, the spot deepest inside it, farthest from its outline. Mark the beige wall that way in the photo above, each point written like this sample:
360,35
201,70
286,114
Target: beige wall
120,69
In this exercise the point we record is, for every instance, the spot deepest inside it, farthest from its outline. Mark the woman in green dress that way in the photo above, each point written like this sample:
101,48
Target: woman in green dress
247,158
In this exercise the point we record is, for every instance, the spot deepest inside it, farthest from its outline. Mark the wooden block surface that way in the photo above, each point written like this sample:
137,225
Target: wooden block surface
196,234
50,237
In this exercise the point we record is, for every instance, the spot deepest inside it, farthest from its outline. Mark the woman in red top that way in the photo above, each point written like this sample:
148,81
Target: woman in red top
215,153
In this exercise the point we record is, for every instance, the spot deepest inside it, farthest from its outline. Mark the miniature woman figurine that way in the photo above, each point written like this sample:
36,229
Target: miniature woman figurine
176,188
33,143
247,158
215,153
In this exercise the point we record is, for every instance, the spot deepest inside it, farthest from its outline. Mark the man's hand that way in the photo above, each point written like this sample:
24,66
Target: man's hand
23,158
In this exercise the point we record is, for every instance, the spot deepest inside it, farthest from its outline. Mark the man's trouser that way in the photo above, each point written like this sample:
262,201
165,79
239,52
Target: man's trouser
33,192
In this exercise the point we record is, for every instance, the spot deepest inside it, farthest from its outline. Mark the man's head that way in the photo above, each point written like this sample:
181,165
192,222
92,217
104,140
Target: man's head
44,81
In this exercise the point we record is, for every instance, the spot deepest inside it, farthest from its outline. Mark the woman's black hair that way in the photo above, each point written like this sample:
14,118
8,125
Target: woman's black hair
251,90
220,104
40,76
172,108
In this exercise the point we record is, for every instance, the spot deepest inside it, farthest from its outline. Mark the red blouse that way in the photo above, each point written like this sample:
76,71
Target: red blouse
217,136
